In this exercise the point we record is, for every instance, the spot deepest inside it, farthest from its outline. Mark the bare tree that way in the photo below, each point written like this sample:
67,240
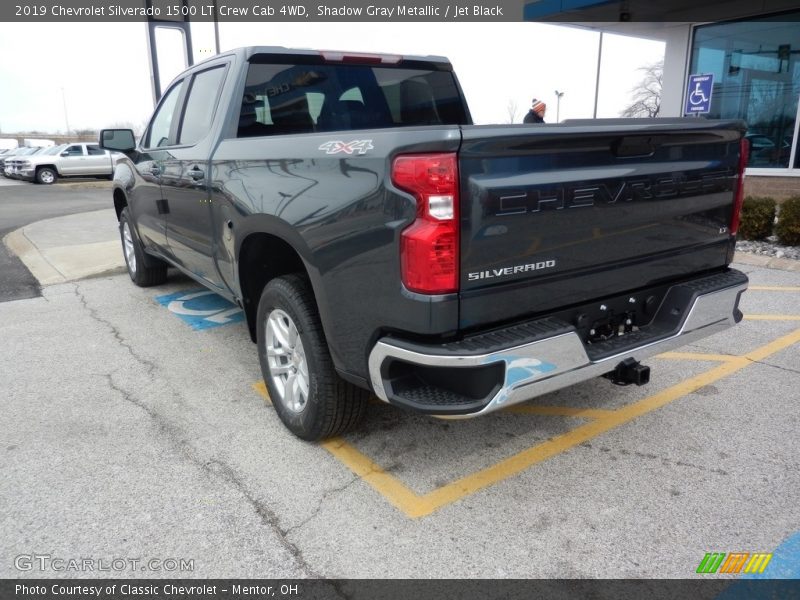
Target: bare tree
646,95
512,109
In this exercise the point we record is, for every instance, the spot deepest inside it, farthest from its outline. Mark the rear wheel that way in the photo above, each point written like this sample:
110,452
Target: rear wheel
46,175
144,271
308,395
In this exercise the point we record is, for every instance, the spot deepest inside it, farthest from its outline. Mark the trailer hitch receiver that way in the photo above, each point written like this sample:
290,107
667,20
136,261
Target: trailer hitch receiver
629,371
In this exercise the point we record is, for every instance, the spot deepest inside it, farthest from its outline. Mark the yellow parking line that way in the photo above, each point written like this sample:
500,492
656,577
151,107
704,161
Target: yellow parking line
559,411
261,388
697,356
774,288
414,505
772,317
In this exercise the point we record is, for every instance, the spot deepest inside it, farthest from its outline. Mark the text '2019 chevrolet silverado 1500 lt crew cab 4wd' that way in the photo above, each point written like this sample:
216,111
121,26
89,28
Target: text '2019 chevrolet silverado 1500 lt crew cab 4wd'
377,241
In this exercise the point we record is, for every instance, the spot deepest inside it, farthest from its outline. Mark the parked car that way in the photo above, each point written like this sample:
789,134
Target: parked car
11,155
70,160
379,242
13,164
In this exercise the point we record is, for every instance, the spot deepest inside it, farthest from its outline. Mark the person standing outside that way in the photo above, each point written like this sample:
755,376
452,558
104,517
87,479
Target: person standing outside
536,113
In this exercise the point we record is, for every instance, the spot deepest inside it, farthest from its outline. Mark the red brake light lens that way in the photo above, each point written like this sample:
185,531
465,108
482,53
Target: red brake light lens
429,253
744,155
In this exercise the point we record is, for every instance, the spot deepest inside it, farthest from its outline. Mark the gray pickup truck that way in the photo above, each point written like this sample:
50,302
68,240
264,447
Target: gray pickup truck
379,242
67,160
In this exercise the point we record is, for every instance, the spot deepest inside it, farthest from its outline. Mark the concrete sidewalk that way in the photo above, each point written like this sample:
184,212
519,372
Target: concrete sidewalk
69,248
86,244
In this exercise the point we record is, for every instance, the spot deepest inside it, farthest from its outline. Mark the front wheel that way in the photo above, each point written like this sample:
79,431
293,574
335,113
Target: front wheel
141,273
46,175
309,397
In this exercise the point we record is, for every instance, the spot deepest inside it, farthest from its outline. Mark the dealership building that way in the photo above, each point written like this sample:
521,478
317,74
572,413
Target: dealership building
750,49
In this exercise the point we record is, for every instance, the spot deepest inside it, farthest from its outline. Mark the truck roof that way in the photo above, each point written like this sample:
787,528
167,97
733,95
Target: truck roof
246,52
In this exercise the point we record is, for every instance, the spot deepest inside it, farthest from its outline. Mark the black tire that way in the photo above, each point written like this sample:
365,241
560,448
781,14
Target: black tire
145,271
332,405
46,176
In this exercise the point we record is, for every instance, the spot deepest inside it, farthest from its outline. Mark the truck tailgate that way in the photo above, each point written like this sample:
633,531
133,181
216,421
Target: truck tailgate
553,216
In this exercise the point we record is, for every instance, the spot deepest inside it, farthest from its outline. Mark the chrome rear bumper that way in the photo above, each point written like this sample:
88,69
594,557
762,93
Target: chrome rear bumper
552,362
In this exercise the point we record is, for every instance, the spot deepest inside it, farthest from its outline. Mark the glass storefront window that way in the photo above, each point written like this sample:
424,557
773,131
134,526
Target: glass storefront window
756,68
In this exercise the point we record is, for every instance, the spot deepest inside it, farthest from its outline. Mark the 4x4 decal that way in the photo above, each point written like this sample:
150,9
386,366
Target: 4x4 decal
354,147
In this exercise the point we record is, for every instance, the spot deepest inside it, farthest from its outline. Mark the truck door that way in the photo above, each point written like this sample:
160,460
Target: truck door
145,200
184,183
72,160
98,161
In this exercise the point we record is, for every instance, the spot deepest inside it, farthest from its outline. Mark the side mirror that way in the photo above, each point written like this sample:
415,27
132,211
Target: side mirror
65,153
119,140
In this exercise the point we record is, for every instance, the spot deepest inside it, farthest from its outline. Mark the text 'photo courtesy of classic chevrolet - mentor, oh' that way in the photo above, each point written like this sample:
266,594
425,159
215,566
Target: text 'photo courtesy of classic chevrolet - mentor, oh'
379,243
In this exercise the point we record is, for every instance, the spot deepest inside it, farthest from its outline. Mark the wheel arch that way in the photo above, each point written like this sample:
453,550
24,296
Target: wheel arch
263,255
120,201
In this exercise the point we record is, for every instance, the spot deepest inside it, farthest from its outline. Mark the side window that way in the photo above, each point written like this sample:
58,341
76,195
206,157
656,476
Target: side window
160,126
74,150
94,150
200,105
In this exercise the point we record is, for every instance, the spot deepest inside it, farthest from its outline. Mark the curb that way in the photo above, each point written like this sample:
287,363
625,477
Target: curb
62,262
85,184
19,245
770,262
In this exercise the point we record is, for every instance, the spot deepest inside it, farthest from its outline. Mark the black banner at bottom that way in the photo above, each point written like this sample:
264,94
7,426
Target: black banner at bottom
395,589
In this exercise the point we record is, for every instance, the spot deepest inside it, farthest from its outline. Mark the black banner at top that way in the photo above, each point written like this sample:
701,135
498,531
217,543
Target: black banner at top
232,11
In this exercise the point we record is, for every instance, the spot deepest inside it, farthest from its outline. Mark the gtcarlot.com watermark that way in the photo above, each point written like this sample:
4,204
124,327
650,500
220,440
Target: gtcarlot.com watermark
116,564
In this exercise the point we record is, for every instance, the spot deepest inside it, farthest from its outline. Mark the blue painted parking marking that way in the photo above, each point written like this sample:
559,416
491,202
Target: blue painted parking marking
201,309
781,574
785,563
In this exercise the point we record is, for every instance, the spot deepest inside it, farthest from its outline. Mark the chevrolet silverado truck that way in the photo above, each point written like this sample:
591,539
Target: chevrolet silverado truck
66,160
378,242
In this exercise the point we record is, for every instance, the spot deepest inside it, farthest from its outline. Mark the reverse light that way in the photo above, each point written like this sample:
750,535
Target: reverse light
744,155
429,253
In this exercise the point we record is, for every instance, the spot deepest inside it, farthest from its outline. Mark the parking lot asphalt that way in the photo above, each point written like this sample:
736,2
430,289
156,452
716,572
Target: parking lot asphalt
134,428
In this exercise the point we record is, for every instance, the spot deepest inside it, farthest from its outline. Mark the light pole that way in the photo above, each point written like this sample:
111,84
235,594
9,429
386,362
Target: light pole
597,80
64,101
558,105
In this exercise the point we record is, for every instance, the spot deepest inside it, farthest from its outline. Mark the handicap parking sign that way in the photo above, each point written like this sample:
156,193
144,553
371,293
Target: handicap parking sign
201,309
698,94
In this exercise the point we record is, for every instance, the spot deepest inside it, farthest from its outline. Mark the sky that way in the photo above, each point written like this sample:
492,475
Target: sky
97,75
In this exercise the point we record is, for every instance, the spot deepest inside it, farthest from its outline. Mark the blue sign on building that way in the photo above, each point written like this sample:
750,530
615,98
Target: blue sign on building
698,94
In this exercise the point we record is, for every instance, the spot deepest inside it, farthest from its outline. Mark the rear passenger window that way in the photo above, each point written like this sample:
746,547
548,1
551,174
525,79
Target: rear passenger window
319,96
200,105
161,126
94,150
74,150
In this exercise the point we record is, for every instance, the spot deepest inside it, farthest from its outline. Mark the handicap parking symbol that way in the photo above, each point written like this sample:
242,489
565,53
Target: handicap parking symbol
698,94
201,309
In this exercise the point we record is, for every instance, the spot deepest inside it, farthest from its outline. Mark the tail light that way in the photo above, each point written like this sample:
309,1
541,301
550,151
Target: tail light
429,246
744,155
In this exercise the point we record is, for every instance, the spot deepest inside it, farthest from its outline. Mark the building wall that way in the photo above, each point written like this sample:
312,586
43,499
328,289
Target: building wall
58,139
779,188
676,51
